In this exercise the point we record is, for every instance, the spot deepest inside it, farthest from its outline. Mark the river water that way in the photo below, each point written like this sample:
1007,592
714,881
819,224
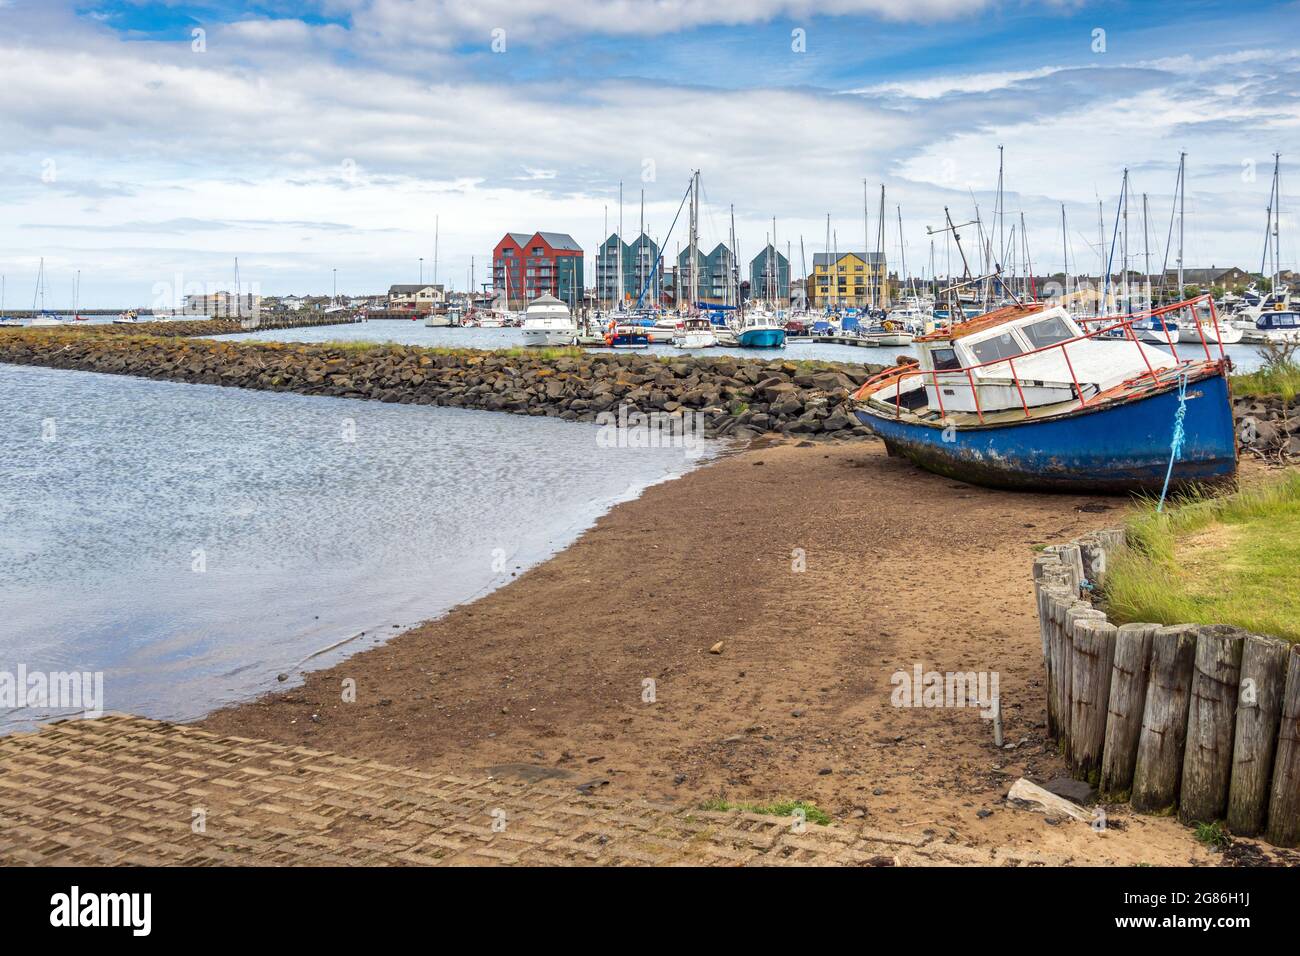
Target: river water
192,542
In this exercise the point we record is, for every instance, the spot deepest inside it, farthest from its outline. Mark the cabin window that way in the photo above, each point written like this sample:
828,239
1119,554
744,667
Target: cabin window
1001,346
945,360
1049,331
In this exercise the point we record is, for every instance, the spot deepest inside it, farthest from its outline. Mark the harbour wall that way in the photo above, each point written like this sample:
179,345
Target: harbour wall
737,397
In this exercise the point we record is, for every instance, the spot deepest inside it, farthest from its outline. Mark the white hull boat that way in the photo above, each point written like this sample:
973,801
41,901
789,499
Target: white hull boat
695,334
548,323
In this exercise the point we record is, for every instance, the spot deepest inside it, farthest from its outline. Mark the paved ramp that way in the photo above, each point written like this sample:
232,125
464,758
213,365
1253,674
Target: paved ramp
126,790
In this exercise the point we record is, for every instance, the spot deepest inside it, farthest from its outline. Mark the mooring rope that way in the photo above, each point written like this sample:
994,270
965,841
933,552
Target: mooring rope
1179,435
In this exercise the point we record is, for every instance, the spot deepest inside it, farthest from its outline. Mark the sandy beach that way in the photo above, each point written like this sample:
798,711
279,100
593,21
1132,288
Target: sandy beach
547,678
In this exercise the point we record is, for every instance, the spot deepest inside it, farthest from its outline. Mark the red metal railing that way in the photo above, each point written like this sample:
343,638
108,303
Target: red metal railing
1107,327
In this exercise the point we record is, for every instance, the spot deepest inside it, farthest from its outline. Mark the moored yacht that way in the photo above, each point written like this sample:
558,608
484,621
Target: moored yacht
695,333
548,321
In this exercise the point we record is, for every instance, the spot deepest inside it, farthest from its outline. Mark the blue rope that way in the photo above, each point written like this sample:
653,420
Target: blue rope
1179,435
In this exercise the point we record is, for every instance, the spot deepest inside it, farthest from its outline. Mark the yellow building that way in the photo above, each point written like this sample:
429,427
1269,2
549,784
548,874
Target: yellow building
856,280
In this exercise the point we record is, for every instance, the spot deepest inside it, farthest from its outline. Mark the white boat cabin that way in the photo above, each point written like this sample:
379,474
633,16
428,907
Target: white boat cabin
997,357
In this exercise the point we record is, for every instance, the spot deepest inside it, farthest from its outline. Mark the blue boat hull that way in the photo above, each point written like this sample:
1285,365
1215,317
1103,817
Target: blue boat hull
761,338
1117,447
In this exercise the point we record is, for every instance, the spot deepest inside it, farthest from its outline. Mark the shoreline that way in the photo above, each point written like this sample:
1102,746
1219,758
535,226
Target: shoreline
545,678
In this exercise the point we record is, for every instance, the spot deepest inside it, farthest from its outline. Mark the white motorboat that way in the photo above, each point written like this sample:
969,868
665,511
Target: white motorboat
437,320
1279,326
548,322
695,334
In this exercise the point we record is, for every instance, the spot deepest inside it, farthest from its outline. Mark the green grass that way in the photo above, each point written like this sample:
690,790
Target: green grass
1213,560
1280,381
1212,835
781,808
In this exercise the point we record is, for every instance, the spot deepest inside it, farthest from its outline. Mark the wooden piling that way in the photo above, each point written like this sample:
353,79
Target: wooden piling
1259,710
1066,616
1284,800
1211,724
1094,656
1164,719
1128,694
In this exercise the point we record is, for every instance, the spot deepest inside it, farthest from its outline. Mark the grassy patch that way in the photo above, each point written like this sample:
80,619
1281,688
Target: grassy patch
1205,560
1212,835
781,808
1282,381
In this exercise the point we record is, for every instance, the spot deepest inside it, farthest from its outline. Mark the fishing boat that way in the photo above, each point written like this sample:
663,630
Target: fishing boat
626,335
1023,398
695,333
760,330
548,321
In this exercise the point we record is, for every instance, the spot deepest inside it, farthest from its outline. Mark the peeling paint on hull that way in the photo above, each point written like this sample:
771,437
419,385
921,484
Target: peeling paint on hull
1118,447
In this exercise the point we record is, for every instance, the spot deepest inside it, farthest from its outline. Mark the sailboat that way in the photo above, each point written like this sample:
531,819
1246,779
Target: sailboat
5,322
43,317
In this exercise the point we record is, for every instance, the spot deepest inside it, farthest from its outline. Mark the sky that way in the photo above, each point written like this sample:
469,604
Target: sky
148,143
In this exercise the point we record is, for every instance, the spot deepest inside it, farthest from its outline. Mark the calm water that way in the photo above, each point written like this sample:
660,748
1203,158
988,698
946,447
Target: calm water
192,541
1246,357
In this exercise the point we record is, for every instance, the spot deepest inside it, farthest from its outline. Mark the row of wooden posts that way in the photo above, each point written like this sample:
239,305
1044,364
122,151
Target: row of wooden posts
1203,721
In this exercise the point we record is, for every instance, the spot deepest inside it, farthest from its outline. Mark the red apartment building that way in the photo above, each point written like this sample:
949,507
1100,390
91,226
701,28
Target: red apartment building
527,266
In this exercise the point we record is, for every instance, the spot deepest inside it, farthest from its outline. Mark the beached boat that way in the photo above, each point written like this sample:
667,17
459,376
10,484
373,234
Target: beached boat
548,321
1022,398
696,333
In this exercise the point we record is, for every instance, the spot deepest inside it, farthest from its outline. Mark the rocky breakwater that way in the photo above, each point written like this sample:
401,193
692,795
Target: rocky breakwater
736,397
1268,427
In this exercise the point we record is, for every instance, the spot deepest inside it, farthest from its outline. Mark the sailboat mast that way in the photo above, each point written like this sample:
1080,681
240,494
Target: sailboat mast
1065,251
866,237
1277,220
833,277
1182,216
881,296
695,240
733,267
620,245
1146,253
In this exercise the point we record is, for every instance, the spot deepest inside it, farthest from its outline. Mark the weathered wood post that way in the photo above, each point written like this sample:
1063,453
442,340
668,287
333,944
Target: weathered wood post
1164,719
1063,665
1051,597
1284,800
1211,723
1259,709
1094,656
1128,695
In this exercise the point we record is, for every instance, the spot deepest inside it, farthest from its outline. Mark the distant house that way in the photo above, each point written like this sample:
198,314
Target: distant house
222,305
418,297
291,302
1213,276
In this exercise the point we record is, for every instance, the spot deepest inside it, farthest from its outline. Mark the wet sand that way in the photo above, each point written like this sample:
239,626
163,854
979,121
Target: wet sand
546,677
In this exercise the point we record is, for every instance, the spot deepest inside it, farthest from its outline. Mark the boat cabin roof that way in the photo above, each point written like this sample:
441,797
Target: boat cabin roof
988,320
